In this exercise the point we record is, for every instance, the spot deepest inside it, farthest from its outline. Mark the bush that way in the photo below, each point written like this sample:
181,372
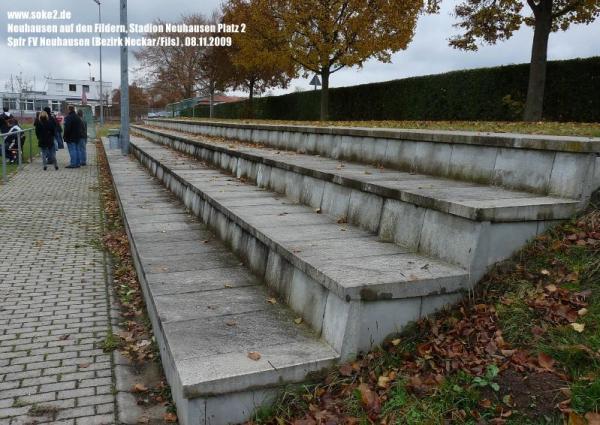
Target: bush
490,94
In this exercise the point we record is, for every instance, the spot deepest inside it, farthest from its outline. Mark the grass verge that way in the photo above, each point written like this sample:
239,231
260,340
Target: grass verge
524,350
546,128
136,340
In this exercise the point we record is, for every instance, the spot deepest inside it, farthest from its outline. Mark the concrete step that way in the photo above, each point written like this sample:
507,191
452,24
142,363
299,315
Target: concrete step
467,224
353,289
208,311
549,165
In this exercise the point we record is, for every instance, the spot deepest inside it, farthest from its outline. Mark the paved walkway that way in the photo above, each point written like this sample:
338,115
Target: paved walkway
54,303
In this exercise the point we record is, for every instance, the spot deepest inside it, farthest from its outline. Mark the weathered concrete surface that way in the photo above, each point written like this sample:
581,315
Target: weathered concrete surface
513,140
208,311
562,166
442,218
349,184
225,194
331,274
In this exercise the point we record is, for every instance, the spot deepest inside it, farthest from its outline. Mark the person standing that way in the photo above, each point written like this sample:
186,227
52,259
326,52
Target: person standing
83,140
58,139
6,115
73,134
45,131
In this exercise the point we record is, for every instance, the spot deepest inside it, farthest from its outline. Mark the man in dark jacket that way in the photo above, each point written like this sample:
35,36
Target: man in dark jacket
73,133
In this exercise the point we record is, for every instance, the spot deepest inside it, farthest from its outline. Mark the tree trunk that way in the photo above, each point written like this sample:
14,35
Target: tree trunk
539,58
325,94
212,99
251,84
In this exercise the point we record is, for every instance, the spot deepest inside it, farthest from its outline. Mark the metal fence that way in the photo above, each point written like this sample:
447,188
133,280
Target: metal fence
19,146
175,109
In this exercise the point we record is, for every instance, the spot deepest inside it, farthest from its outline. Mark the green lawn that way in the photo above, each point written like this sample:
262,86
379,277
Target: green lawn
548,128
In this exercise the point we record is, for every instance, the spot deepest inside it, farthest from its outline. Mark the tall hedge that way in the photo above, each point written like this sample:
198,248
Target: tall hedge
494,94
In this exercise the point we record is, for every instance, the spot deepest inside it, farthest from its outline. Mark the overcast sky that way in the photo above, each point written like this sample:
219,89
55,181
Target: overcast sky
429,52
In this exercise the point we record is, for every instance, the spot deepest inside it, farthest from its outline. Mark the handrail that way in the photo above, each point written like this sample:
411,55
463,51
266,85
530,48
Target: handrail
4,136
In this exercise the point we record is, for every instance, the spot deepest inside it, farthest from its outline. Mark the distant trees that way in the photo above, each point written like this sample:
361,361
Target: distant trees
258,56
490,21
174,72
139,100
326,36
281,39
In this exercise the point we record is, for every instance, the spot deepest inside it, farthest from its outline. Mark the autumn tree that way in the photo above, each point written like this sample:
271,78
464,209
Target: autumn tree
324,36
258,58
490,21
174,70
139,101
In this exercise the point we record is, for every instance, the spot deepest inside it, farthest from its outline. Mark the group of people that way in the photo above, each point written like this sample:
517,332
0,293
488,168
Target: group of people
50,137
14,139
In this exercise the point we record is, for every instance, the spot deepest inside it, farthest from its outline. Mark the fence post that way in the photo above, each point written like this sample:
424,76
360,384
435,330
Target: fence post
19,156
3,161
30,148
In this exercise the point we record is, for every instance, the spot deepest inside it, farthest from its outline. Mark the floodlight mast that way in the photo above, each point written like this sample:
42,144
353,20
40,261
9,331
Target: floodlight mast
101,83
124,136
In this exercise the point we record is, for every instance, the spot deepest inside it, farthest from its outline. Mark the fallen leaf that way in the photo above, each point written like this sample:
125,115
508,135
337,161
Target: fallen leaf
227,285
486,403
318,210
231,323
551,288
170,417
575,419
139,388
84,365
383,381
582,312
345,369
298,320
579,327
545,361
272,300
254,355
63,337
369,398
545,272
395,342
593,418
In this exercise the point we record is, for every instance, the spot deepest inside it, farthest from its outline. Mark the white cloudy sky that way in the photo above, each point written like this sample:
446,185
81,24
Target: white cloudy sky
428,53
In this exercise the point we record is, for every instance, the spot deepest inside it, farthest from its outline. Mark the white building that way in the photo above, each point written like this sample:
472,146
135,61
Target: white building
59,93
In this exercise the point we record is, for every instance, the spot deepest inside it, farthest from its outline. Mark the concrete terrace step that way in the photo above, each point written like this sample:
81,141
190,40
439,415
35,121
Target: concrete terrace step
350,287
469,200
562,166
467,224
208,311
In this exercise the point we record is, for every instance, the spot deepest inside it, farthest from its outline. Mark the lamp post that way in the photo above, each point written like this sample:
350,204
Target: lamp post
124,136
101,88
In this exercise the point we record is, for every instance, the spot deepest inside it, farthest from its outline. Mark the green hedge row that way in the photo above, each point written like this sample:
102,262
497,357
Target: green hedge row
494,94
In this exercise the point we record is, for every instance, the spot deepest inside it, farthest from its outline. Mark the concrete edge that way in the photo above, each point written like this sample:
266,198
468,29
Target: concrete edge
426,288
506,140
561,210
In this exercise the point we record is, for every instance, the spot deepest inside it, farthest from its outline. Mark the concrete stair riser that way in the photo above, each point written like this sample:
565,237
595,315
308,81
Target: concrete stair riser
235,398
228,159
347,321
472,244
549,165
